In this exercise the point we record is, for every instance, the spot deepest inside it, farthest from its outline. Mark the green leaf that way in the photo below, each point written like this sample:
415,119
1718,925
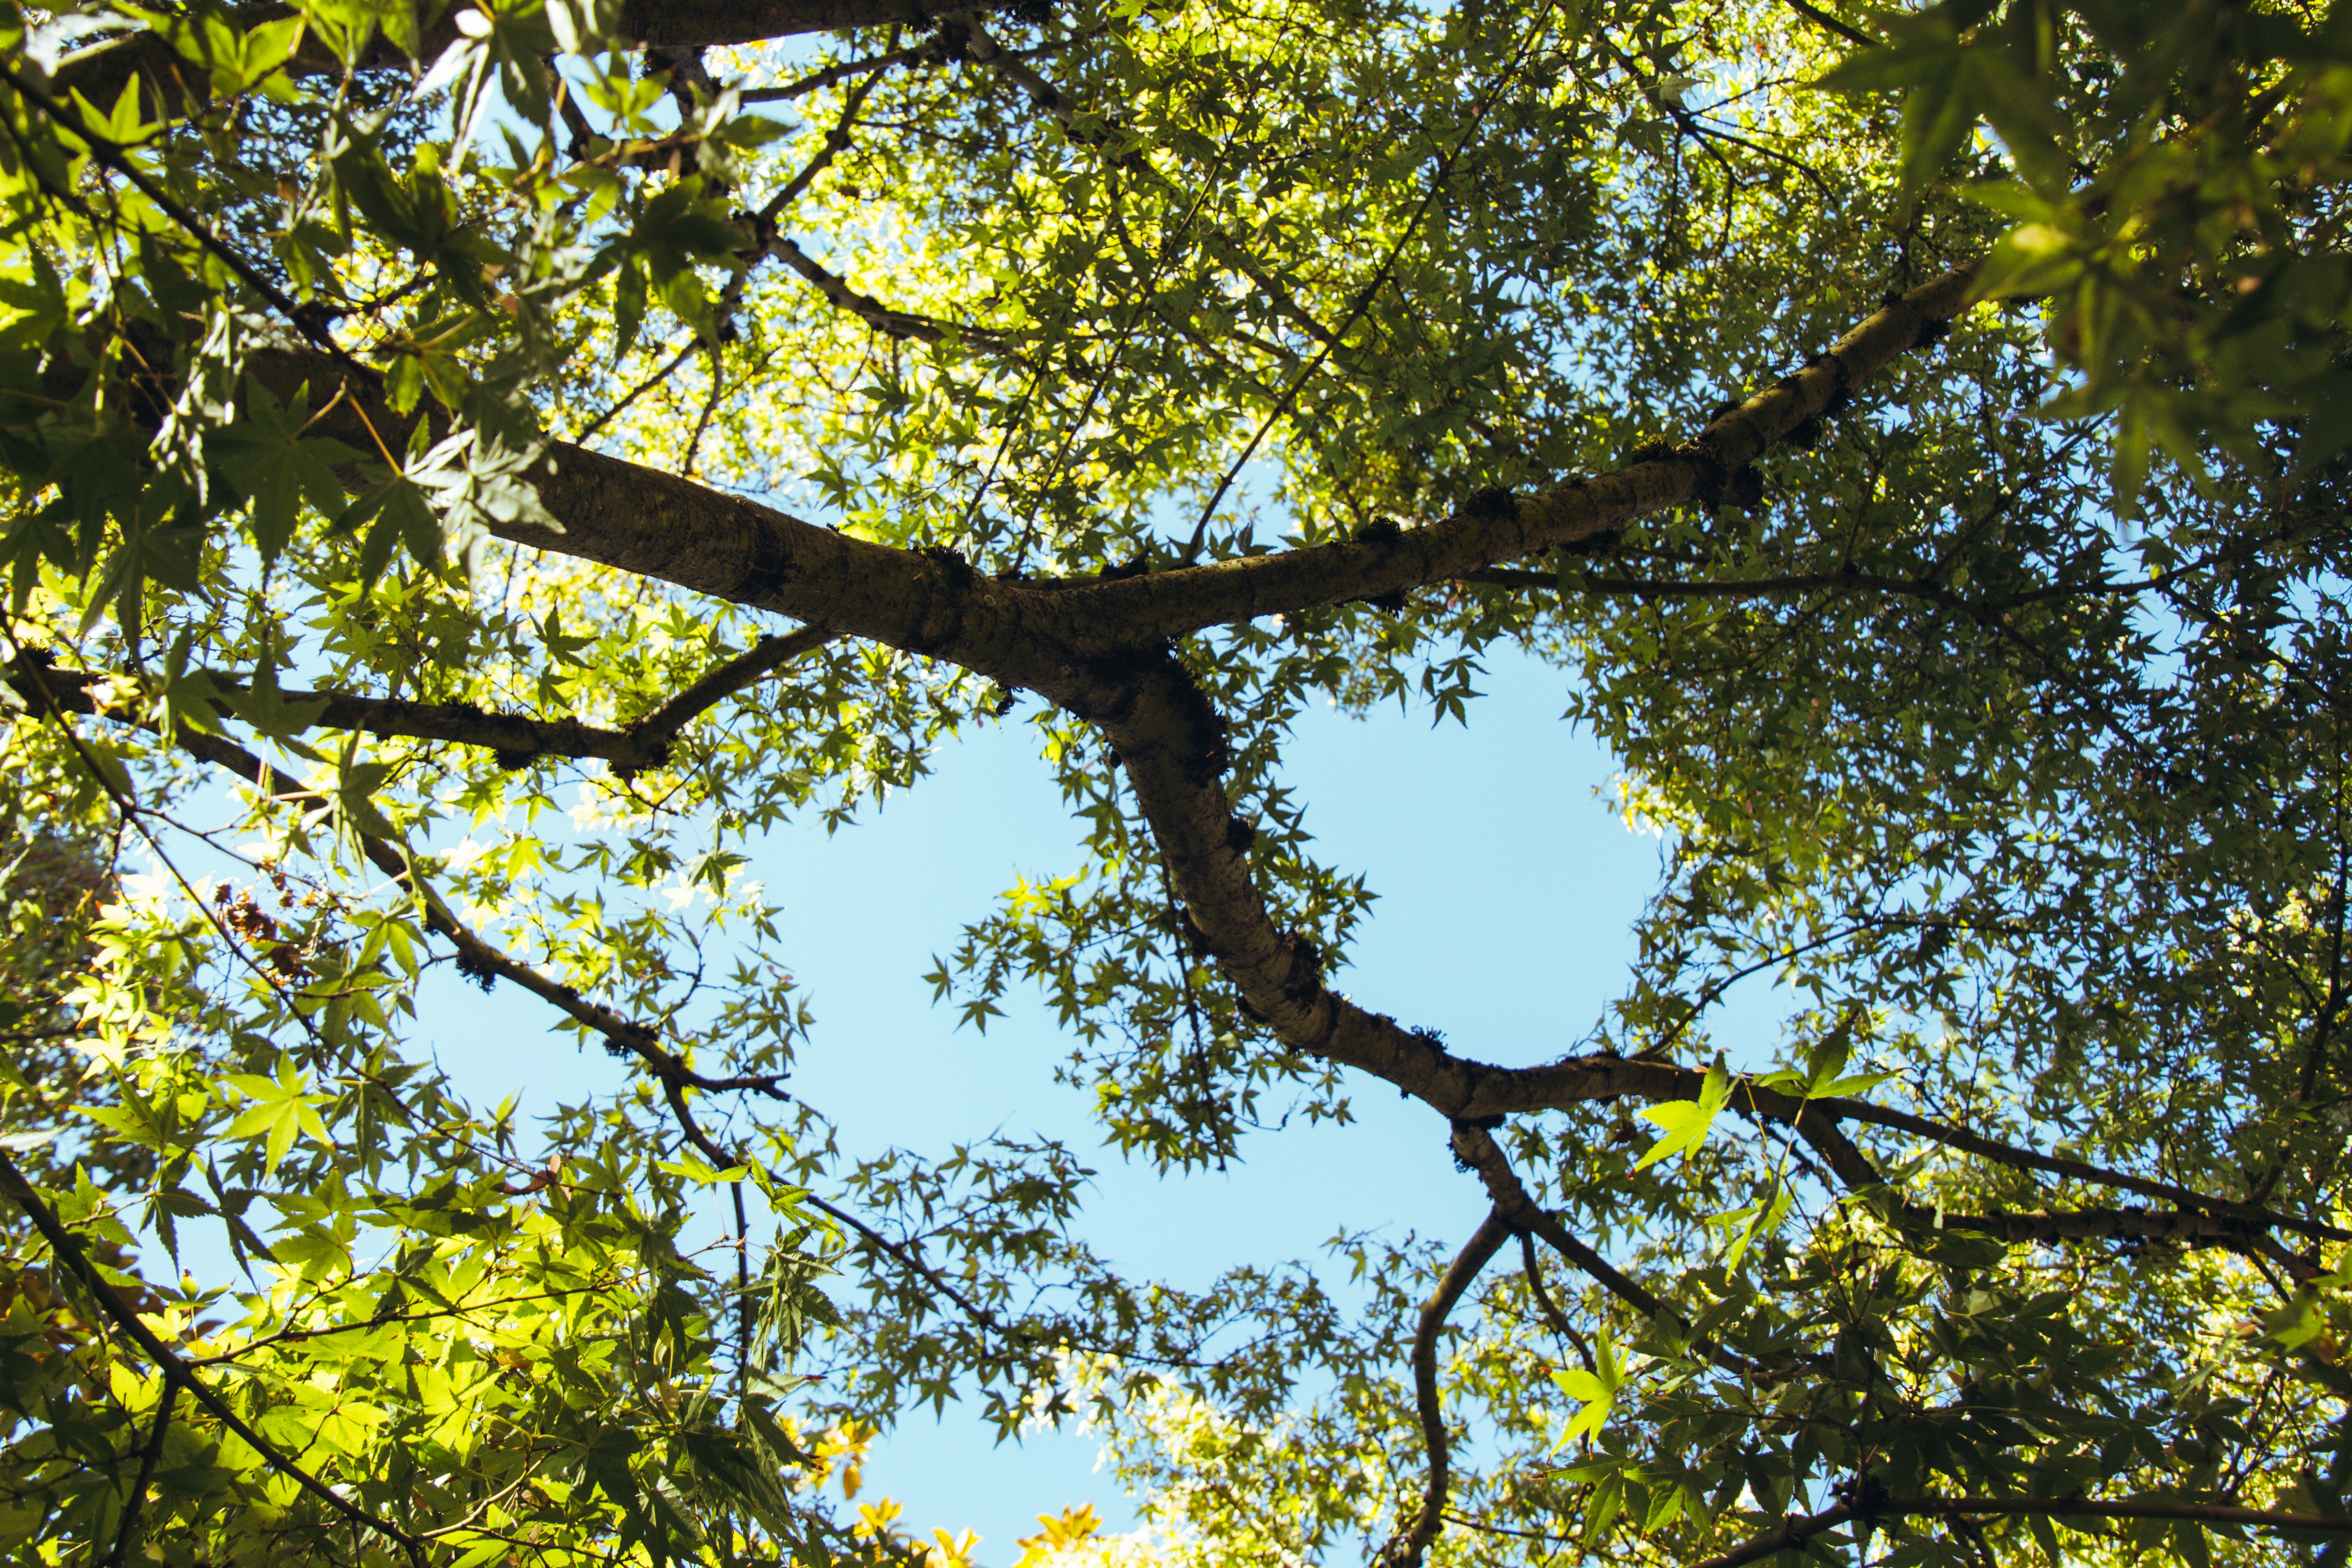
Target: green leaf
2030,260
266,456
1684,1122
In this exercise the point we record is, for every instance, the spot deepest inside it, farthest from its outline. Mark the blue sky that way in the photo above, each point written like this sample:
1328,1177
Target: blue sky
1506,889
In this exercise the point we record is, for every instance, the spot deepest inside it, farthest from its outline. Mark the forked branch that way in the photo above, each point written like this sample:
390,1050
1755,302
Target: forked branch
1480,1151
1053,636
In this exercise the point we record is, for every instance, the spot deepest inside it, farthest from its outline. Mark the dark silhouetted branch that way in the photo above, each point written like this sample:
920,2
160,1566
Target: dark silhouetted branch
516,738
1482,1155
1407,1547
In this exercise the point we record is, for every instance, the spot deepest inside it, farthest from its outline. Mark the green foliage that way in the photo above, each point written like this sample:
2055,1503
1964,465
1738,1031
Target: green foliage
1998,711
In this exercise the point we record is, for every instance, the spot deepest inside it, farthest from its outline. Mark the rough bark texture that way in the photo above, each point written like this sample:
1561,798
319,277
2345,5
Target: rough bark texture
1033,634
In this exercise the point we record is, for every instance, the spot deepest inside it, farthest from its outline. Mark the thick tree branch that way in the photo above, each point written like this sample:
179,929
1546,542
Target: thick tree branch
515,736
2125,1507
1495,527
1036,635
965,35
1641,588
1407,1547
2186,1228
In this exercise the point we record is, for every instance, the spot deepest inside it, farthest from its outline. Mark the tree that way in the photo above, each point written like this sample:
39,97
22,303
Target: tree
1921,435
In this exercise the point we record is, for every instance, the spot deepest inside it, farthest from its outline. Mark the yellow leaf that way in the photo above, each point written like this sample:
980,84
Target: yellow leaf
875,1518
1075,1524
950,1550
125,1383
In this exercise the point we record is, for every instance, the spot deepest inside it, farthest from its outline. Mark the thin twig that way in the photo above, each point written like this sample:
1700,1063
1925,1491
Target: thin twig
710,408
127,1536
836,140
745,670
1482,1155
833,75
116,156
1821,18
1532,1267
590,430
742,1291
906,1258
1364,296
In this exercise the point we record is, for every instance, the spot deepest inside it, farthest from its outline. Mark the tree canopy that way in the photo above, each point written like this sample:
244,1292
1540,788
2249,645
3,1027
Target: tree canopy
511,455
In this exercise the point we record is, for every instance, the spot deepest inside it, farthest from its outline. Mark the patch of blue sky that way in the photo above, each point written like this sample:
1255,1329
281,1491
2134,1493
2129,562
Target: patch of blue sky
1508,891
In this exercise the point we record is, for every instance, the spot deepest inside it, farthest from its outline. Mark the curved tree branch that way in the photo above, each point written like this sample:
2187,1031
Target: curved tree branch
743,671
1407,1547
1042,635
1171,742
